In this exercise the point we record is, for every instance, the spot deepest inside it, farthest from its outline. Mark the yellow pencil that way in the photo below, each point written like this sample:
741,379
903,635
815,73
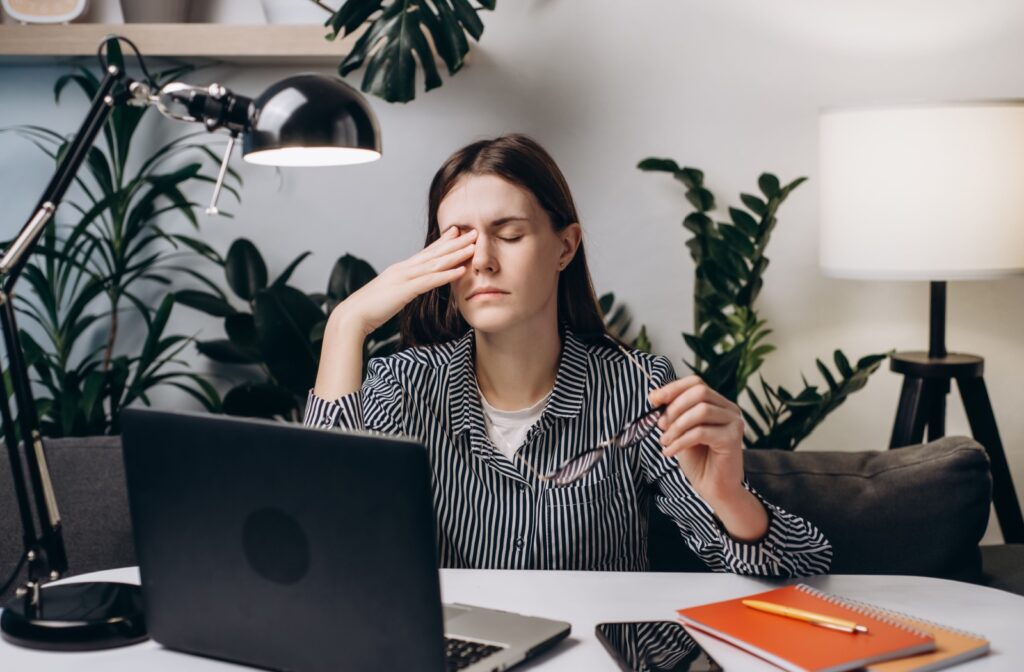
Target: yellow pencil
830,622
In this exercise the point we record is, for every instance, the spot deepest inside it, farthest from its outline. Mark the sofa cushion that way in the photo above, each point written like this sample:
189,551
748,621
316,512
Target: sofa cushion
916,510
89,483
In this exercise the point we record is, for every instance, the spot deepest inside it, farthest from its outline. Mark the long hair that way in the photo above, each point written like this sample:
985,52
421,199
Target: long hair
433,317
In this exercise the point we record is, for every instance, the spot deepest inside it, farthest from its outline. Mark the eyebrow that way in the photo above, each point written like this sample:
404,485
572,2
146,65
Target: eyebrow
501,221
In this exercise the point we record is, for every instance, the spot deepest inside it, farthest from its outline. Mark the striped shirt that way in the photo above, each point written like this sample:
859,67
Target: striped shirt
493,513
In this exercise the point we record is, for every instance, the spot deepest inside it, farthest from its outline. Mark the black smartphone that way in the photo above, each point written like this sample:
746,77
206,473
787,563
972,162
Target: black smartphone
654,646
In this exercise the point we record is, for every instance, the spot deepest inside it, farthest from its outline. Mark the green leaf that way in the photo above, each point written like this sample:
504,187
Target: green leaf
843,364
660,165
827,375
791,186
351,15
349,274
606,302
282,279
769,185
754,204
226,352
737,240
642,342
692,178
468,18
284,319
207,303
744,222
245,269
398,31
701,198
241,329
156,328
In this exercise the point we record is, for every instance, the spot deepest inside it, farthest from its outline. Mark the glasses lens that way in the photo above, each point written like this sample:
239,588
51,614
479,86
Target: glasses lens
577,467
635,431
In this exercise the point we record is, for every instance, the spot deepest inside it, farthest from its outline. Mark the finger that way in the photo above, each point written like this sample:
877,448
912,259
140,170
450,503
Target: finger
712,436
445,262
692,396
699,414
667,393
450,240
425,283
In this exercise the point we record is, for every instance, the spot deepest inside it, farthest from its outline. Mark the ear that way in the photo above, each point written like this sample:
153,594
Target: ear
570,238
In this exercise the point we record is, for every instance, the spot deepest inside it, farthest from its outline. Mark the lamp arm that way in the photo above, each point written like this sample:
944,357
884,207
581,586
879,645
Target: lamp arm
42,538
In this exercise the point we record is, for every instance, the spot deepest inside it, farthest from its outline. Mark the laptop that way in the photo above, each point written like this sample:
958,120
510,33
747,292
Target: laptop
290,548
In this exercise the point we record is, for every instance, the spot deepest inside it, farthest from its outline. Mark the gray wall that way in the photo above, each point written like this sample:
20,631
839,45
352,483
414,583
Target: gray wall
730,86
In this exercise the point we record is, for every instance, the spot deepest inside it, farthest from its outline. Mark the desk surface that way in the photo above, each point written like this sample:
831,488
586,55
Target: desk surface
587,598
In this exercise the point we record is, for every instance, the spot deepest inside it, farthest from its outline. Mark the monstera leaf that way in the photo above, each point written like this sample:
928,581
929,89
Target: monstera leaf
397,37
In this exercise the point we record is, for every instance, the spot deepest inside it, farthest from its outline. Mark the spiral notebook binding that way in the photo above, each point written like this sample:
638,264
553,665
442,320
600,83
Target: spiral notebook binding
886,614
865,609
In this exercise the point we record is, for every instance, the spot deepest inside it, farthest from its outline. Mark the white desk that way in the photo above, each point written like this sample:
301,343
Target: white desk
587,598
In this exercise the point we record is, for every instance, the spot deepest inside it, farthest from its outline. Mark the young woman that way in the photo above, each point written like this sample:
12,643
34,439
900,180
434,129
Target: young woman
539,426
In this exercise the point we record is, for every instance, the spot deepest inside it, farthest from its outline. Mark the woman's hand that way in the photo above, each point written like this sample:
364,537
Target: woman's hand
382,298
376,302
704,432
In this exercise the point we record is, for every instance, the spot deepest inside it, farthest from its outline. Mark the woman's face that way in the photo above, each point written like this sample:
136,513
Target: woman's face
512,277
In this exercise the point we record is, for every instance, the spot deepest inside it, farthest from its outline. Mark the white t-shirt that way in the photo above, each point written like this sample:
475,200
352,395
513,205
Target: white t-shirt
507,429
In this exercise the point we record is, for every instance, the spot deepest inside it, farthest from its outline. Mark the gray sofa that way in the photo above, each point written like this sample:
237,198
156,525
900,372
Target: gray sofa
917,510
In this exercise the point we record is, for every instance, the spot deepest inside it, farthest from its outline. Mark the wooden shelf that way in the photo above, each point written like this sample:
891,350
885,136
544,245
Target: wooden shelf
238,43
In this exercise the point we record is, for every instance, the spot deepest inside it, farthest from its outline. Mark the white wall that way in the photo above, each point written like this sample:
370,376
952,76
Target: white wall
730,86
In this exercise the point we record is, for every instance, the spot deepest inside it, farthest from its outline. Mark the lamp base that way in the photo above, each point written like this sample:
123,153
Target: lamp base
77,617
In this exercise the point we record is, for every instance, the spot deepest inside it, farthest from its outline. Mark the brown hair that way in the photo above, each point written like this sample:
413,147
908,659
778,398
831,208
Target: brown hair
432,317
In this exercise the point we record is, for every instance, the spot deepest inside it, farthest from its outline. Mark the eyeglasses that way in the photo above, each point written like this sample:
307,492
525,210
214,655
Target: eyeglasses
634,432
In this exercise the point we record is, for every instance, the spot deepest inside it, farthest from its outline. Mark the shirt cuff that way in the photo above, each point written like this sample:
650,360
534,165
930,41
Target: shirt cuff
345,412
760,556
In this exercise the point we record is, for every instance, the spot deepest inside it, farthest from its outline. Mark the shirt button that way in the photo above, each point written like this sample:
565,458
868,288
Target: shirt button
521,487
519,543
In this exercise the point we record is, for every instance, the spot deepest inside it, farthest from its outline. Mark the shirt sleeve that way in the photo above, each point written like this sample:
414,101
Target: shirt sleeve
377,406
791,546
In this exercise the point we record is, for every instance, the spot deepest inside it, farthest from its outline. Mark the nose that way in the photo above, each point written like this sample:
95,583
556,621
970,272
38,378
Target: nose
484,259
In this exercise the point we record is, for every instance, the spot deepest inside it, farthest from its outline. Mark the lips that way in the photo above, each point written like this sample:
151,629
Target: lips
486,291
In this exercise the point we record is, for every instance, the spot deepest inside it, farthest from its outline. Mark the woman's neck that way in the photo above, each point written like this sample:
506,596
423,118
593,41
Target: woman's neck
516,368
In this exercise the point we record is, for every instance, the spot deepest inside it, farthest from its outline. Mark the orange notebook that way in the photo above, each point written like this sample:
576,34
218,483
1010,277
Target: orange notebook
951,646
800,646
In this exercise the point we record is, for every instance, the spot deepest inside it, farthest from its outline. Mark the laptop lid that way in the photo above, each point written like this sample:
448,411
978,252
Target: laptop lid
282,546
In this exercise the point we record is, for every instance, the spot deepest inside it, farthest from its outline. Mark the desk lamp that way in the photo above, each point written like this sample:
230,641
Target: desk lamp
304,120
934,193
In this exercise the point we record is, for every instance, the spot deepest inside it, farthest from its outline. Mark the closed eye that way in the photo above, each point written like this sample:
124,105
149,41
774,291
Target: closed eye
510,239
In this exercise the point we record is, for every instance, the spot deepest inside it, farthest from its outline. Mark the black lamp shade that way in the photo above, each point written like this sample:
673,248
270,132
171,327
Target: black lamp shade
311,120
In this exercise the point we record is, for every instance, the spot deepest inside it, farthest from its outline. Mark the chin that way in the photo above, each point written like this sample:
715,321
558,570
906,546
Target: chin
490,320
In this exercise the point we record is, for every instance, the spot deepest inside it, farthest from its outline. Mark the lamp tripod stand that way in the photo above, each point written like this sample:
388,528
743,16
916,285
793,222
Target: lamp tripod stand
926,383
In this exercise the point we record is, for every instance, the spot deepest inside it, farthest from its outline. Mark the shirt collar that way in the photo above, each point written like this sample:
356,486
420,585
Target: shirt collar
566,399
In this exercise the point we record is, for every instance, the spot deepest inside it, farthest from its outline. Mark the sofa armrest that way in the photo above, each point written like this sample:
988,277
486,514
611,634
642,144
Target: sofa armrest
917,510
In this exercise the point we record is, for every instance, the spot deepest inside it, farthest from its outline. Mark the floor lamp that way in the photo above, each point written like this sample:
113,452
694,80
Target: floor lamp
304,120
934,193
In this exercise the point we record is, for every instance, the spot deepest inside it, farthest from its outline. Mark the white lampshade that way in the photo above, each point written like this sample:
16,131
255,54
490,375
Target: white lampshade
929,192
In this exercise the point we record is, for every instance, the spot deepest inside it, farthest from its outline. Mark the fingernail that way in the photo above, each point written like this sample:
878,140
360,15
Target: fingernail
453,230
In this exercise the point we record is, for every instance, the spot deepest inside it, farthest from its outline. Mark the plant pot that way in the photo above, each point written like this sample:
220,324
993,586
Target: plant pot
34,11
294,11
148,11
